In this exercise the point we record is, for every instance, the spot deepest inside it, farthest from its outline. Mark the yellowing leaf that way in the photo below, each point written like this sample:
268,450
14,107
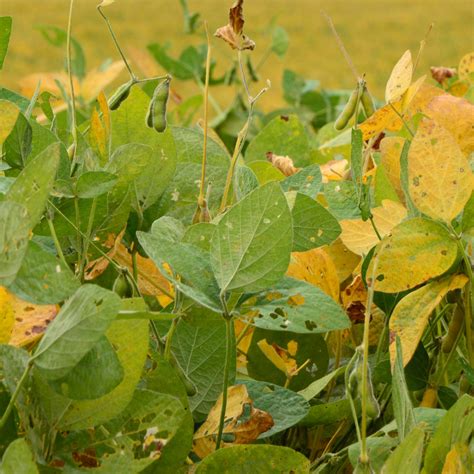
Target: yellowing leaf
283,163
243,423
466,67
416,251
30,320
391,149
400,79
386,118
97,137
457,116
359,236
344,260
458,460
410,316
316,267
7,316
411,92
440,178
8,114
106,3
334,170
287,366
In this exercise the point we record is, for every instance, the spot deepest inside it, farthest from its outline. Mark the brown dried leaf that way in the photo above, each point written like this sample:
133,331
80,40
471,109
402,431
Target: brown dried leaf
283,163
242,422
440,73
232,33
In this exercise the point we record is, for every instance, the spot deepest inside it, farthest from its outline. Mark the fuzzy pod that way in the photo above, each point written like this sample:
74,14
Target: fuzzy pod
367,103
156,115
348,111
120,95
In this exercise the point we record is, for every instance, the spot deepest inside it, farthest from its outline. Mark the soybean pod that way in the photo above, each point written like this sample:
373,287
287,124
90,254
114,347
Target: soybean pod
120,95
455,327
348,111
156,116
367,102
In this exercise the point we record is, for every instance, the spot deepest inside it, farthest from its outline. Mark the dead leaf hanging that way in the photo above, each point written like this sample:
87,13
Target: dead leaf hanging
232,33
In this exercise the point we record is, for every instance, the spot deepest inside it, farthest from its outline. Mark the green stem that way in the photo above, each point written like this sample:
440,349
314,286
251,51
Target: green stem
59,250
117,45
78,235
169,337
225,383
12,401
90,223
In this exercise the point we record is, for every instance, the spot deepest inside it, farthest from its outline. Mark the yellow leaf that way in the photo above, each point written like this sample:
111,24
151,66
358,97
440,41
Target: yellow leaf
7,316
410,317
391,150
316,267
411,92
387,119
458,460
272,355
104,108
440,178
344,260
30,320
243,423
457,116
8,115
97,137
359,236
334,170
400,79
466,67
416,251
98,79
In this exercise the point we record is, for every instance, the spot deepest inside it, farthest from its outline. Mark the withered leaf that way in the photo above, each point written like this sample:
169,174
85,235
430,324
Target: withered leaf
283,163
232,33
441,73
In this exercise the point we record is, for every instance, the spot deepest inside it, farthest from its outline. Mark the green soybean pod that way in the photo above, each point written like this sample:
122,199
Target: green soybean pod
120,95
348,110
188,385
156,116
454,328
122,286
367,102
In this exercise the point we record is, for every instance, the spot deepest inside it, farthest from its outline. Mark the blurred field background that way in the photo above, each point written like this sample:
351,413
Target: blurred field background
376,33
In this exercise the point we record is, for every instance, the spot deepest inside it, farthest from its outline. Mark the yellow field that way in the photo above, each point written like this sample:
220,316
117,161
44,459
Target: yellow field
376,33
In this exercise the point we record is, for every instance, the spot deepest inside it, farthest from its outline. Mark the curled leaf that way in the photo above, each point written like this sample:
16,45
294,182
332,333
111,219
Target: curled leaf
441,73
283,163
232,33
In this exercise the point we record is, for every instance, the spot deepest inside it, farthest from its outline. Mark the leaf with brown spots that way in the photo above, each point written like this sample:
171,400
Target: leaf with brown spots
242,423
345,260
440,180
7,316
232,33
466,68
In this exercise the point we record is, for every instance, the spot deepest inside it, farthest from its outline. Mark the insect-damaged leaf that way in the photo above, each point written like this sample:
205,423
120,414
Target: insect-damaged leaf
243,422
250,249
232,33
77,328
296,306
416,251
440,178
410,317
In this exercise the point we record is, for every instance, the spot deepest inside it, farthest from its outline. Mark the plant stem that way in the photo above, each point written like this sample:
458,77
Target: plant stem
228,356
12,401
169,337
117,45
59,250
90,223
78,235
71,84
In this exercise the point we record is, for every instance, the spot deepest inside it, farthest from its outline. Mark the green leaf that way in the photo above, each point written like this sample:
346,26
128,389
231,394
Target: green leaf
200,235
18,459
280,41
265,172
245,181
34,184
187,260
287,408
455,427
296,306
164,379
94,183
379,450
14,235
315,388
416,251
130,340
408,454
307,181
257,458
328,413
79,325
402,406
313,225
300,347
96,374
283,136
43,278
5,31
342,199
17,146
251,247
199,347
